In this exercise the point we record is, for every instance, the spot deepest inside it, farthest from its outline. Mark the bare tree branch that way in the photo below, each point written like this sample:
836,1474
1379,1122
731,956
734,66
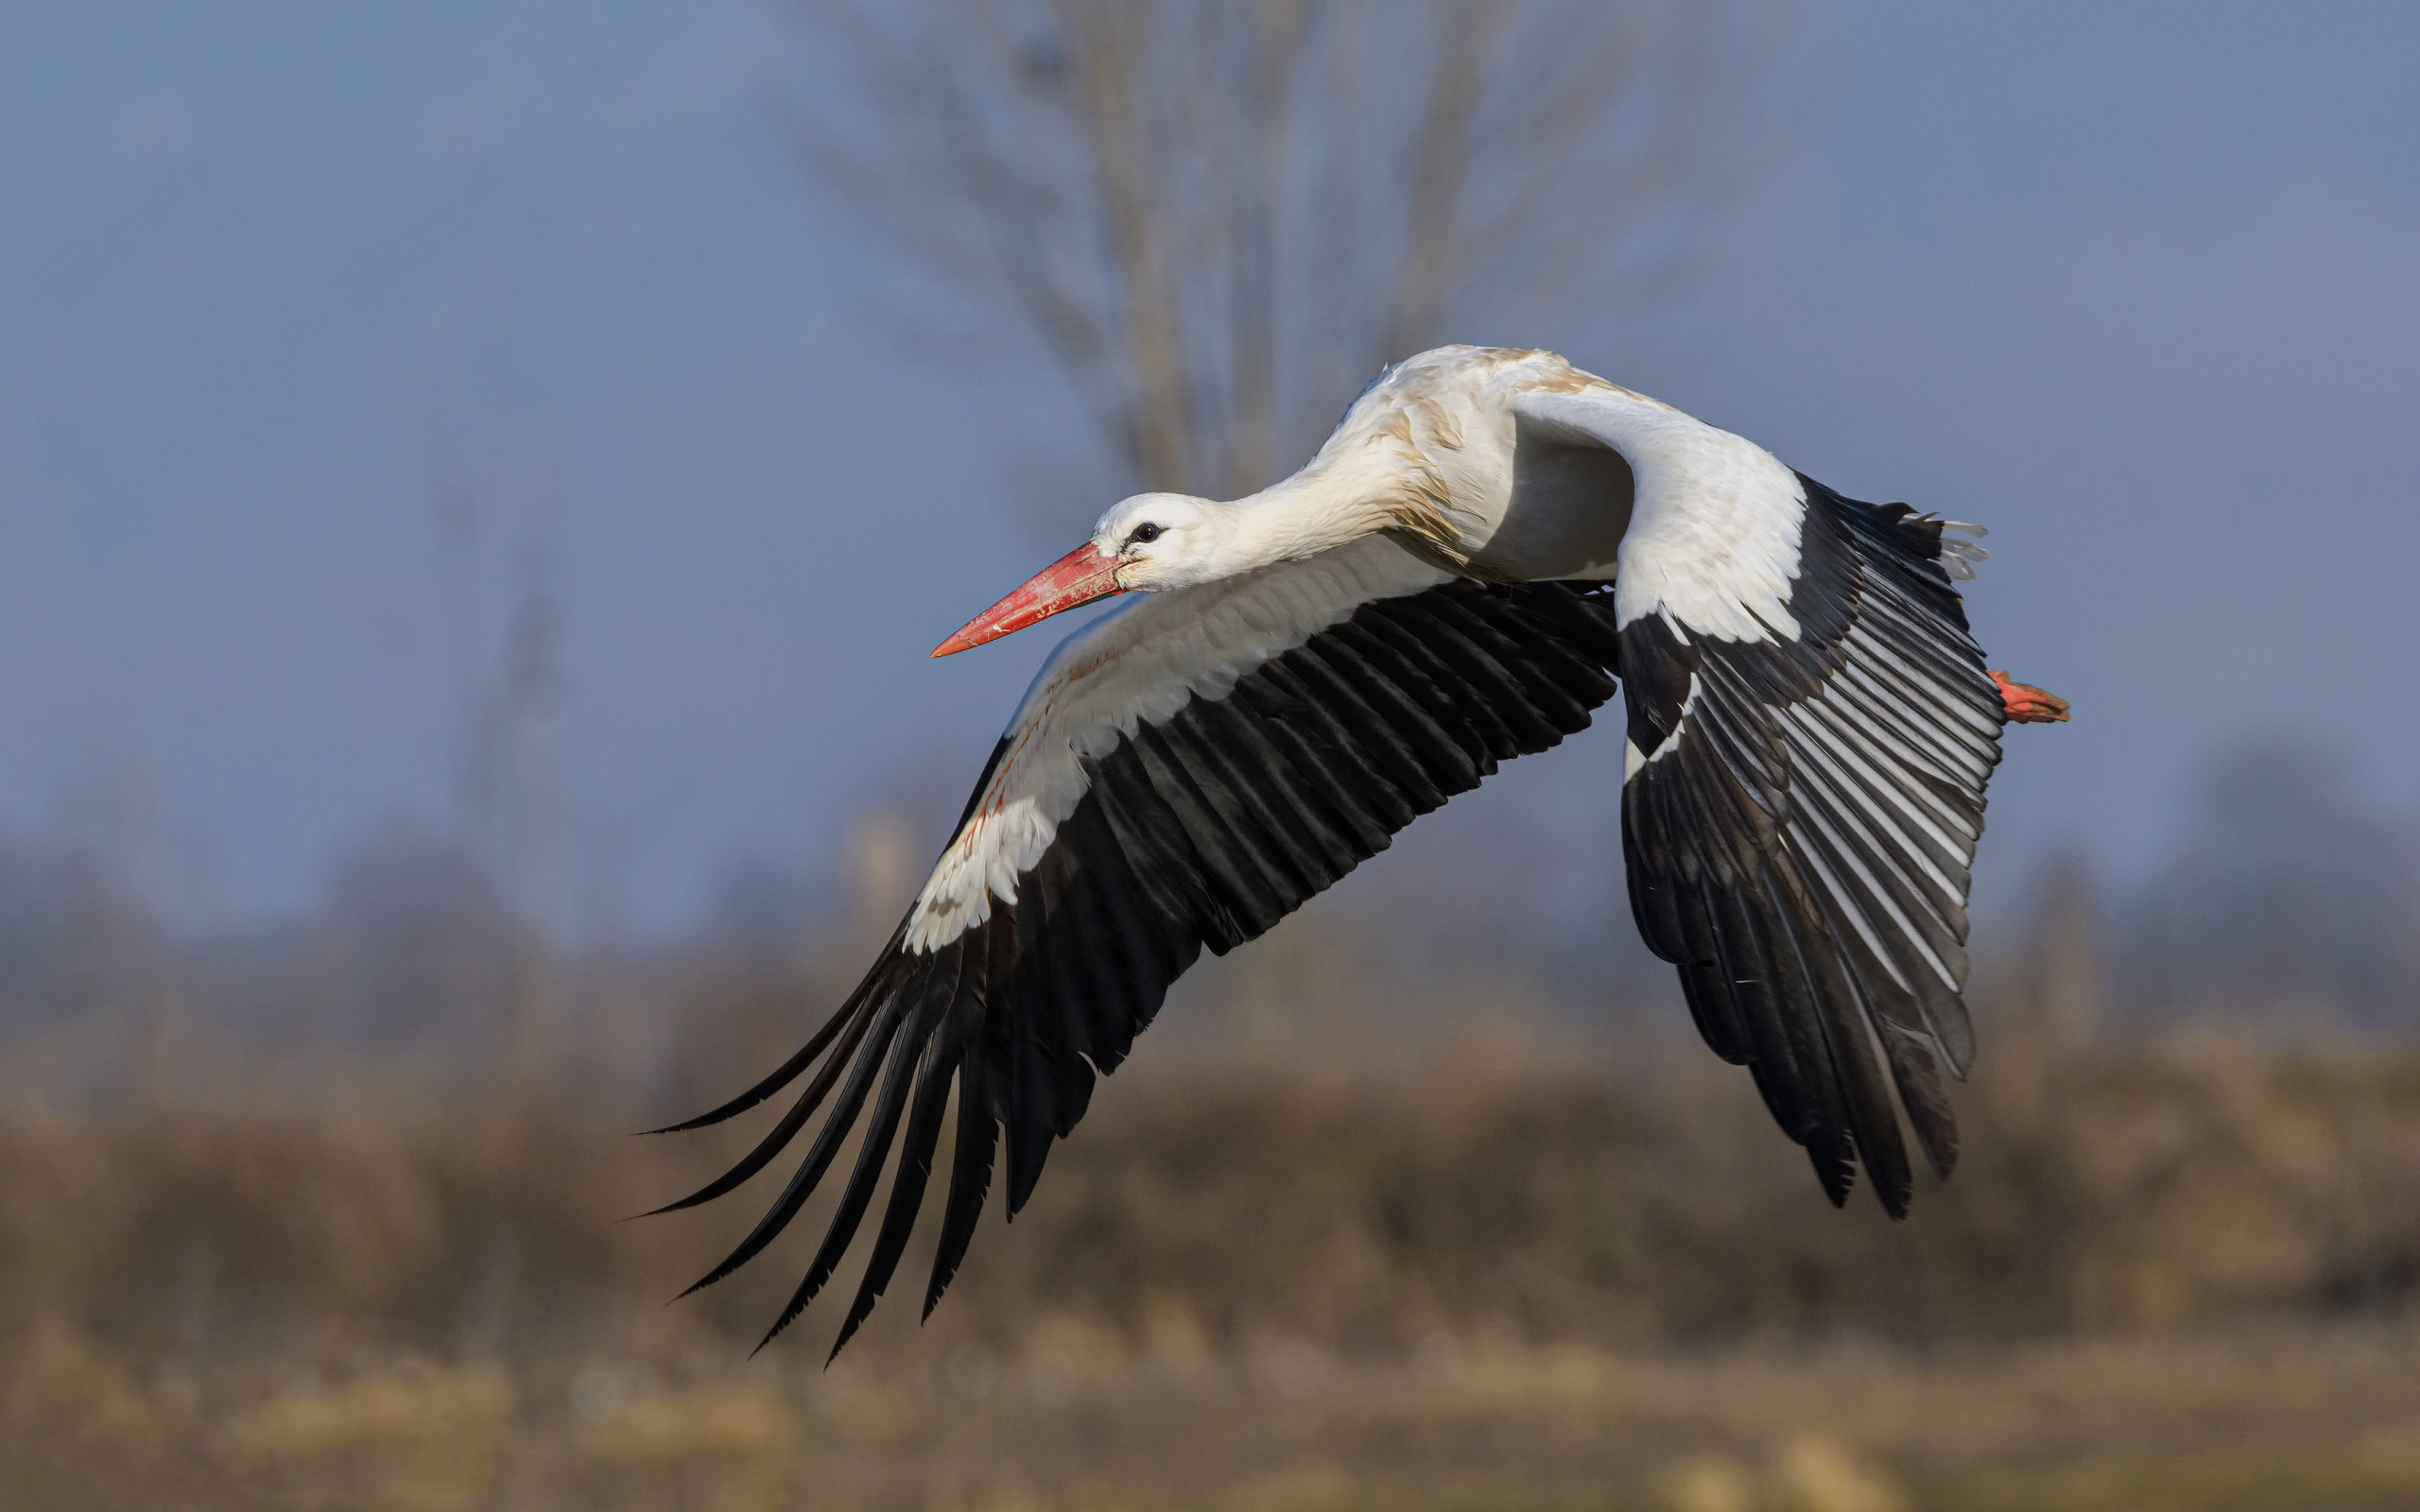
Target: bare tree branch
1222,217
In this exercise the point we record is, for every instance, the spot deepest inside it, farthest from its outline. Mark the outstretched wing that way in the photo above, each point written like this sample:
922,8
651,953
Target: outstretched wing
1186,772
1810,732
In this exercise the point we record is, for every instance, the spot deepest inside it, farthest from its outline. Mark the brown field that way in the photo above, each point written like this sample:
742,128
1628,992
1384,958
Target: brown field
1327,1267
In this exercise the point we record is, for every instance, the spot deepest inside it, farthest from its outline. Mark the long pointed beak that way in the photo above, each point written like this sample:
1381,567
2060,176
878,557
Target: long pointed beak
1077,579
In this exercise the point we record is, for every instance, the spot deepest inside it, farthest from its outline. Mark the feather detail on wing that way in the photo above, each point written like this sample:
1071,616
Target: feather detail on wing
1799,823
1810,730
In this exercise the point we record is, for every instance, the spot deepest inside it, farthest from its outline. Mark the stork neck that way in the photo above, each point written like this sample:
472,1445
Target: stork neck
1313,511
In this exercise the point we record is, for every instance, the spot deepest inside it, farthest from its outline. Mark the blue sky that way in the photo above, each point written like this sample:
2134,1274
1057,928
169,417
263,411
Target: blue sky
2132,285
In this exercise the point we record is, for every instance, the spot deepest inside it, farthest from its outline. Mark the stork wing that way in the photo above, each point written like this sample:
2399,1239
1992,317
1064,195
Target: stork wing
1810,732
1186,772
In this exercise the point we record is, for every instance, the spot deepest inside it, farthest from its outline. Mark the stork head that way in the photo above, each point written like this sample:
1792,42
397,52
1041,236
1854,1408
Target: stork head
1150,542
1164,541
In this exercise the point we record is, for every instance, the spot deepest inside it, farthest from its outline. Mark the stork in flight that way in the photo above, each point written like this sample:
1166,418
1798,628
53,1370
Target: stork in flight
1489,538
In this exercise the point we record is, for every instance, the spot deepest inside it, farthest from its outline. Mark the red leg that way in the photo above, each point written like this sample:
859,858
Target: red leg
2029,705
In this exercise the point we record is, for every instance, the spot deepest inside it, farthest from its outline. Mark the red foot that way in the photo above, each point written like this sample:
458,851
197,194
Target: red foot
2029,705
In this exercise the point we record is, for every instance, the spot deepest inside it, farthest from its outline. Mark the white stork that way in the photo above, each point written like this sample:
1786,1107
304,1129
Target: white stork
1486,541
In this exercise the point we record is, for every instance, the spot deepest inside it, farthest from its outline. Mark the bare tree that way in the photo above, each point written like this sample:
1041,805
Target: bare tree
1222,216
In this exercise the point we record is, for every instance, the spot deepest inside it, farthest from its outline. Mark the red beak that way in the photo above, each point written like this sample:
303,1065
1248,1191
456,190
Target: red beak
1077,579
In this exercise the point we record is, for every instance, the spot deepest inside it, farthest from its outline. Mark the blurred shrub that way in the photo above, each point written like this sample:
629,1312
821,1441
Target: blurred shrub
1624,1194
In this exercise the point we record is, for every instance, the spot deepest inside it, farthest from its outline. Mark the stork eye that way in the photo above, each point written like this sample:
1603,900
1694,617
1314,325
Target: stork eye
1145,534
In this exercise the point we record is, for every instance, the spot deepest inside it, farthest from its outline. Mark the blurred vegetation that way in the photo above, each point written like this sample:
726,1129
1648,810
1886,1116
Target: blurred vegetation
326,1215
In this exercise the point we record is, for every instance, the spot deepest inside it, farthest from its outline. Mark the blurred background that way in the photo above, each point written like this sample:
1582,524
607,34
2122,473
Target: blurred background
477,484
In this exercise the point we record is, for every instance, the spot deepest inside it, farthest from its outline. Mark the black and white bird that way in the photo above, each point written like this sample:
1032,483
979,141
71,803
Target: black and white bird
1486,542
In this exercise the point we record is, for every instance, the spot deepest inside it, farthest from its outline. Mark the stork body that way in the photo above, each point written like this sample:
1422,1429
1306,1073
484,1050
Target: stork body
1486,541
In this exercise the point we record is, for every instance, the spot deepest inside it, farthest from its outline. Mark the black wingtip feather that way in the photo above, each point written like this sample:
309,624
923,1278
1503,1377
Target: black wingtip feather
817,1158
922,1134
782,1133
882,1127
789,1071
1835,1167
970,1182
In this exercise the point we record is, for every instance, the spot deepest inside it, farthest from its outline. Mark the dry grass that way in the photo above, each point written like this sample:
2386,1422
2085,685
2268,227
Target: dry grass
1542,1272
2270,1416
